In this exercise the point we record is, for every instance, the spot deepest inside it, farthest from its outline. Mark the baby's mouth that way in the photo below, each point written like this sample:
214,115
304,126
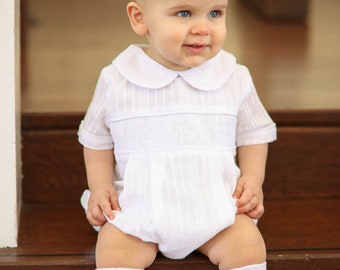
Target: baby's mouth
195,48
195,45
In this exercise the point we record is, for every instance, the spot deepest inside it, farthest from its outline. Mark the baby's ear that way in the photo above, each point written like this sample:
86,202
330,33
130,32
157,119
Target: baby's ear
136,18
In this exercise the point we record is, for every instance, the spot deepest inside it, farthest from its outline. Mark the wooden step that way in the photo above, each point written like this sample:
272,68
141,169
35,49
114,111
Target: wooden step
303,162
57,236
301,224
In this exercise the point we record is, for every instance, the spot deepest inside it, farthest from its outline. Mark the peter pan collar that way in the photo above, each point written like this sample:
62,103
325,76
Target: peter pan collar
137,67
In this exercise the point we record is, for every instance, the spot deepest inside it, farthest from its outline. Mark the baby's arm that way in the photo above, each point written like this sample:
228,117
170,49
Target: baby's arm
248,192
100,172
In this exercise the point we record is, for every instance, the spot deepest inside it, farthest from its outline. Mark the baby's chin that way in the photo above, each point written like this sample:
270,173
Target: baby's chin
184,65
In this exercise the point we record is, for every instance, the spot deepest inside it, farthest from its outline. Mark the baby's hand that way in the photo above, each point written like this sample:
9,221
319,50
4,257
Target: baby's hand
103,200
249,197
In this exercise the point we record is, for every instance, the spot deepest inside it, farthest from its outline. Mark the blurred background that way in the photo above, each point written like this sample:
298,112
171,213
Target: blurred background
291,48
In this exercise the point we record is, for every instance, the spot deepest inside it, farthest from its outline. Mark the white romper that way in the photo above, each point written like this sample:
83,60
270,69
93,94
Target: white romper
174,135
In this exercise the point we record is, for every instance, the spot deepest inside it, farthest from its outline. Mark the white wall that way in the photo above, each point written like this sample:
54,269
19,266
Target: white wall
10,157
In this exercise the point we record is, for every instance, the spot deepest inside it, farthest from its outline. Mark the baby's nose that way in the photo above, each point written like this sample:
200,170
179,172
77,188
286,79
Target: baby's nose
200,27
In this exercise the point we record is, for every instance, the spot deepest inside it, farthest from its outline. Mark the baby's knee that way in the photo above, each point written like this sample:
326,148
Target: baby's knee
116,249
122,257
252,249
248,250
240,245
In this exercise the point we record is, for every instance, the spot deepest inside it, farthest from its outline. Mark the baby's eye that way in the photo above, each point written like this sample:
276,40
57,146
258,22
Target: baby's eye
215,14
184,13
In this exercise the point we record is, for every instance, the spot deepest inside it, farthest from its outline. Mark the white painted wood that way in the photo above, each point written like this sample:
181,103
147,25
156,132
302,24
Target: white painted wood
10,157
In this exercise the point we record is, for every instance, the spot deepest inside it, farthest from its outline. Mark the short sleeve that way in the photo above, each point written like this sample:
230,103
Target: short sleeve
254,125
94,131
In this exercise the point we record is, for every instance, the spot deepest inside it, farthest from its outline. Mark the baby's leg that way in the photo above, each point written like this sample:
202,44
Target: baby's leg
240,245
116,249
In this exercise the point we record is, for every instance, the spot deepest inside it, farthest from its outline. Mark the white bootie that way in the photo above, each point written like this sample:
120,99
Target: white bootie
118,269
262,266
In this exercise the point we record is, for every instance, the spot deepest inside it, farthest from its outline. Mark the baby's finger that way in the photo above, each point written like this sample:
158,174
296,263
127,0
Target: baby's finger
114,201
244,199
95,216
248,205
257,212
115,205
107,210
238,191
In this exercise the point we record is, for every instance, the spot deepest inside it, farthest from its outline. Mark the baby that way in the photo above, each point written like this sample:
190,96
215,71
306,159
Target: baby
190,138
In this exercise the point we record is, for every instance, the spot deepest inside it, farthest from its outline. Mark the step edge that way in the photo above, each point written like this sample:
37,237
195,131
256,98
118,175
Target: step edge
88,259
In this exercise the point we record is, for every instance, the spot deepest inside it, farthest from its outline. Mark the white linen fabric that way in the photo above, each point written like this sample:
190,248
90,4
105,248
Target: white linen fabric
174,135
262,266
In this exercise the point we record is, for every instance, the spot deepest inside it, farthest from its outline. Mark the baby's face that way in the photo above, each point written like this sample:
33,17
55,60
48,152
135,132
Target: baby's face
184,33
